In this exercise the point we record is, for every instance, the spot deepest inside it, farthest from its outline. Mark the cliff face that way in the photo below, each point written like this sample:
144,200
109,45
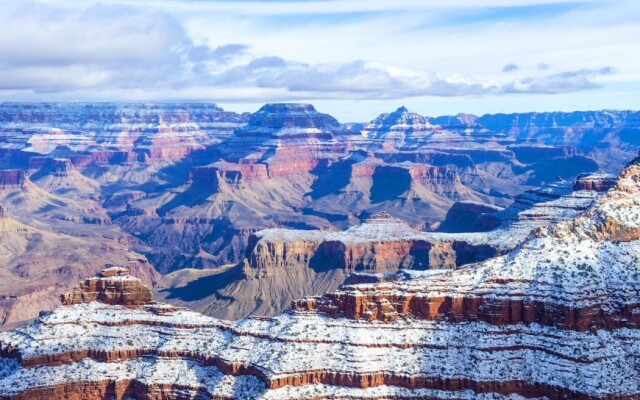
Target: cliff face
111,286
291,166
557,317
597,182
281,265
288,162
126,134
561,276
204,170
380,244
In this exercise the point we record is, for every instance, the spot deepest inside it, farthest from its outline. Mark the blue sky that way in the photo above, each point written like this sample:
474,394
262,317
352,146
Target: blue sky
352,58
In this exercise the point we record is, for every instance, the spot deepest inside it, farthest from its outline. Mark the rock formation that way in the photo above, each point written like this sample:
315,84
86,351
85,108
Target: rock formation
555,318
597,182
111,286
281,265
380,244
399,128
107,133
12,178
287,165
292,166
561,276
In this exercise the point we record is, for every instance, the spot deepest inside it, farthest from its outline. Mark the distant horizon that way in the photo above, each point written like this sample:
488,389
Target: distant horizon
230,107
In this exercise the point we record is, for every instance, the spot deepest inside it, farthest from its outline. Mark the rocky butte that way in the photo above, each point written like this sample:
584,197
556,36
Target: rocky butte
557,317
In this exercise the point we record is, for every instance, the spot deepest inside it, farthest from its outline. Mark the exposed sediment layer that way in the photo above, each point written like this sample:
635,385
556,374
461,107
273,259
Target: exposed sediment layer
299,353
111,286
388,304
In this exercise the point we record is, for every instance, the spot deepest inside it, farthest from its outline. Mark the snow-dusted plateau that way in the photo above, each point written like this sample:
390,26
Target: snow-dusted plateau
181,251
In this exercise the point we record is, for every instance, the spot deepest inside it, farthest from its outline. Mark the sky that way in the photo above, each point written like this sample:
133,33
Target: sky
353,59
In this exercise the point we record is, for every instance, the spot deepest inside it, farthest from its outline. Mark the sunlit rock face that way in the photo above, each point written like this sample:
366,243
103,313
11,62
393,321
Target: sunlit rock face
557,318
111,286
597,182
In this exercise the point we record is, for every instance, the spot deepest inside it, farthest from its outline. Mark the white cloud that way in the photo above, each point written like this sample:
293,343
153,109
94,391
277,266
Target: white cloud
241,52
563,82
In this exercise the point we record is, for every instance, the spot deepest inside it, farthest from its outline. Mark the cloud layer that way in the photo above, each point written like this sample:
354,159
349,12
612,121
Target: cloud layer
163,50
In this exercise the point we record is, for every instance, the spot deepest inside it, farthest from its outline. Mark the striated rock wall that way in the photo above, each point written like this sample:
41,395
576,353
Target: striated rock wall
117,133
287,165
158,351
112,286
385,304
596,182
380,244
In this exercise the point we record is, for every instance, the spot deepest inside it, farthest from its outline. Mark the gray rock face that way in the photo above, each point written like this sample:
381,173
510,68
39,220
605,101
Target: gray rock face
85,115
522,124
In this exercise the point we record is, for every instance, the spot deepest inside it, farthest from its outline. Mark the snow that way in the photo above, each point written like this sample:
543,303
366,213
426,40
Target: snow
295,342
384,391
372,230
147,370
548,205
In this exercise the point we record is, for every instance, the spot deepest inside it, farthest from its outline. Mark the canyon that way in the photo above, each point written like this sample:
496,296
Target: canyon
556,316
185,194
282,265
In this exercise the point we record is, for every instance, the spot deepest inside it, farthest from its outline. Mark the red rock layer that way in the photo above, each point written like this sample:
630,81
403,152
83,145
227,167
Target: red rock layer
112,389
133,389
386,306
111,286
599,183
263,256
377,303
